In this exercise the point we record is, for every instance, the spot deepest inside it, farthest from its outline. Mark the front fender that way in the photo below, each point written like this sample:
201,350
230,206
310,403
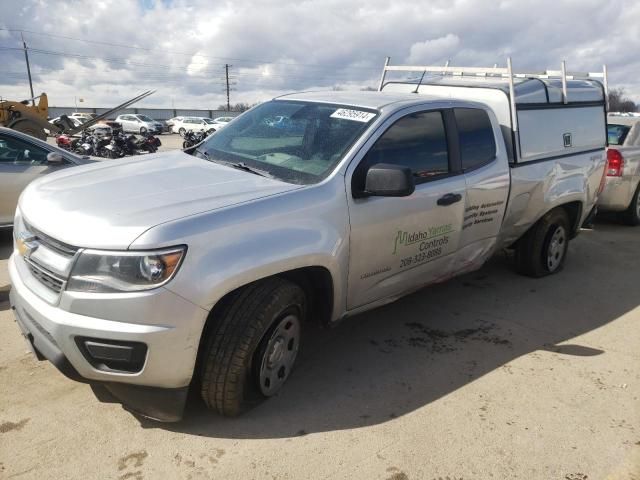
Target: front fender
232,247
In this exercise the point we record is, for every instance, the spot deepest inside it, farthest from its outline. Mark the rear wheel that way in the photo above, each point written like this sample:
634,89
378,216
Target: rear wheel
631,216
143,130
29,127
181,131
543,249
252,349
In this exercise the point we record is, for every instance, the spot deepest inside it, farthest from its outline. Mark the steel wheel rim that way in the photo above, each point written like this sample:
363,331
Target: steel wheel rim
279,355
557,247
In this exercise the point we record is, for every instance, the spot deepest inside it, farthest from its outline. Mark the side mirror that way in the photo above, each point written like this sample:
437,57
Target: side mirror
387,180
54,158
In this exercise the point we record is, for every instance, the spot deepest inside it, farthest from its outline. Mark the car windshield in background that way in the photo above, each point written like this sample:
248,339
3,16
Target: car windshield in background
144,118
617,133
297,142
208,120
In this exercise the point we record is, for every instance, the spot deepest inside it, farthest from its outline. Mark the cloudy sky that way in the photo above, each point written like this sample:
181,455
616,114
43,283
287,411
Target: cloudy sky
106,51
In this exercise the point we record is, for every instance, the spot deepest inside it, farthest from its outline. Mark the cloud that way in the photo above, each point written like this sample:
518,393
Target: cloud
430,51
180,47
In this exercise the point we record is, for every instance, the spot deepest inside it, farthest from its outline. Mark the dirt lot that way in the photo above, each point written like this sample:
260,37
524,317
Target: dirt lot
487,376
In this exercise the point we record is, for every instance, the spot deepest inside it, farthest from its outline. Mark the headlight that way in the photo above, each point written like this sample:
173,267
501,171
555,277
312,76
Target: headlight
106,272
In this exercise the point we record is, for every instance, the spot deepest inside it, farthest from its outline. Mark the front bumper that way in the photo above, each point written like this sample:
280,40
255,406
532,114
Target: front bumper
617,194
158,390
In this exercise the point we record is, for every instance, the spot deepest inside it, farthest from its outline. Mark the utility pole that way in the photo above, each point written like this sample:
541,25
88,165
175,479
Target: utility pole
26,57
226,69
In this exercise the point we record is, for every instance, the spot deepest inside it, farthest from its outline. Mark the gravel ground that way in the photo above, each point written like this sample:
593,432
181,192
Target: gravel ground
490,375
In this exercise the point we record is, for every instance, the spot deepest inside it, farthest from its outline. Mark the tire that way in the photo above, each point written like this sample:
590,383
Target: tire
185,145
29,127
143,130
261,324
543,249
181,131
631,216
211,131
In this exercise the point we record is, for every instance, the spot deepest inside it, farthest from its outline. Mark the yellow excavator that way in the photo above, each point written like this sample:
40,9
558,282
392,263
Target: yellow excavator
33,119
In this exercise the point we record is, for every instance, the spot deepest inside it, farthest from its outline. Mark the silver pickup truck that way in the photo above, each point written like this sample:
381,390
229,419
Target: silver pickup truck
202,268
621,192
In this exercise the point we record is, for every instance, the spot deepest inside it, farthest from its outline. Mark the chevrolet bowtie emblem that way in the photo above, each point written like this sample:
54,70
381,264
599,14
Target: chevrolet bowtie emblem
26,242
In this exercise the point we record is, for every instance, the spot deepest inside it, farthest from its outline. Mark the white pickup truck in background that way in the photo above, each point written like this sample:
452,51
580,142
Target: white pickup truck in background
621,192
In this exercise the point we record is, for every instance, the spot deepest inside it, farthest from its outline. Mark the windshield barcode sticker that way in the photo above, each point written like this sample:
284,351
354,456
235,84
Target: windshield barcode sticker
355,115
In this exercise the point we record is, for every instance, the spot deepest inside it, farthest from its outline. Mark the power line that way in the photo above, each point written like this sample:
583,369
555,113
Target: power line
129,63
147,49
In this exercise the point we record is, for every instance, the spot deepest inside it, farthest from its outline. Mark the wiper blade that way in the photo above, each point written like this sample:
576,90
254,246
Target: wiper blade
204,153
243,166
239,165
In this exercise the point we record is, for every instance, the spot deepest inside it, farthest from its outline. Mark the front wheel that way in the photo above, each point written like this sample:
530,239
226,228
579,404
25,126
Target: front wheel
631,216
143,130
251,350
543,249
181,131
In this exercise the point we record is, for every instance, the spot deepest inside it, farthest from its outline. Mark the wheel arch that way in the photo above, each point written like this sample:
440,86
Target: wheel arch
574,211
317,283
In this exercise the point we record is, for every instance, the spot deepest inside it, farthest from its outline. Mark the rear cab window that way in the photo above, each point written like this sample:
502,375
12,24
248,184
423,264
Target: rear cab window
476,138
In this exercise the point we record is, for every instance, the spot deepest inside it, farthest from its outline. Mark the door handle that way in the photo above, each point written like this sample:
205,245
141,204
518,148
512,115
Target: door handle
449,199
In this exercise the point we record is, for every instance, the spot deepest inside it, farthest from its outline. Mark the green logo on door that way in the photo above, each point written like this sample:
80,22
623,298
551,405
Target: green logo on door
404,238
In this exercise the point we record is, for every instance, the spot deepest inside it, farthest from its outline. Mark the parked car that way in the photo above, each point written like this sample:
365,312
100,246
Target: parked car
82,116
138,123
622,187
220,122
171,122
24,158
195,124
207,264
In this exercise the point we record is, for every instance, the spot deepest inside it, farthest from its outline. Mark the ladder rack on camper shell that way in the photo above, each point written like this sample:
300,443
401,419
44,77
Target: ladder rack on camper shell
502,72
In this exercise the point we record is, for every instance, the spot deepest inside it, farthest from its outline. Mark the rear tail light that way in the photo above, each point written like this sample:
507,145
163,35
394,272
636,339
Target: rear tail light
615,163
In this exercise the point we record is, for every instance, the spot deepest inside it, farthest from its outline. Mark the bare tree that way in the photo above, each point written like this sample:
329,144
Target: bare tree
619,102
238,107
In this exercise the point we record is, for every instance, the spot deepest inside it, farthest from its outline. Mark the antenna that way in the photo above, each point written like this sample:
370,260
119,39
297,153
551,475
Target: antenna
420,82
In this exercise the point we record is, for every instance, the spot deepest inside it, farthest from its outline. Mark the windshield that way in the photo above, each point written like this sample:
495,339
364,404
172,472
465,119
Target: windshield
297,142
144,118
208,120
617,133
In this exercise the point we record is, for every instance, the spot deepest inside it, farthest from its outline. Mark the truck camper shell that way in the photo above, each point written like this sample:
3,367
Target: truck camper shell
544,115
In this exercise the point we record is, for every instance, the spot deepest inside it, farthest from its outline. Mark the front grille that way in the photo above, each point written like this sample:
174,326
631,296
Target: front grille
43,238
45,277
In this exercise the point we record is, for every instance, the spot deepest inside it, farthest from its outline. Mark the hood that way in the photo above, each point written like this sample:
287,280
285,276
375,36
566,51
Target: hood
109,204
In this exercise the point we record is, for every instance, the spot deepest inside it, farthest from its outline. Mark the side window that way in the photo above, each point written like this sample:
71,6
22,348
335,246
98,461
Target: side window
19,152
475,133
417,141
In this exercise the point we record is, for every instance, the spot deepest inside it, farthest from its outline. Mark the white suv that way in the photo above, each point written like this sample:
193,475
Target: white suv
196,124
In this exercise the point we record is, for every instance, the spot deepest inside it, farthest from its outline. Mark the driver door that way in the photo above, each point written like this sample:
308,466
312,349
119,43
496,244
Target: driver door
398,244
